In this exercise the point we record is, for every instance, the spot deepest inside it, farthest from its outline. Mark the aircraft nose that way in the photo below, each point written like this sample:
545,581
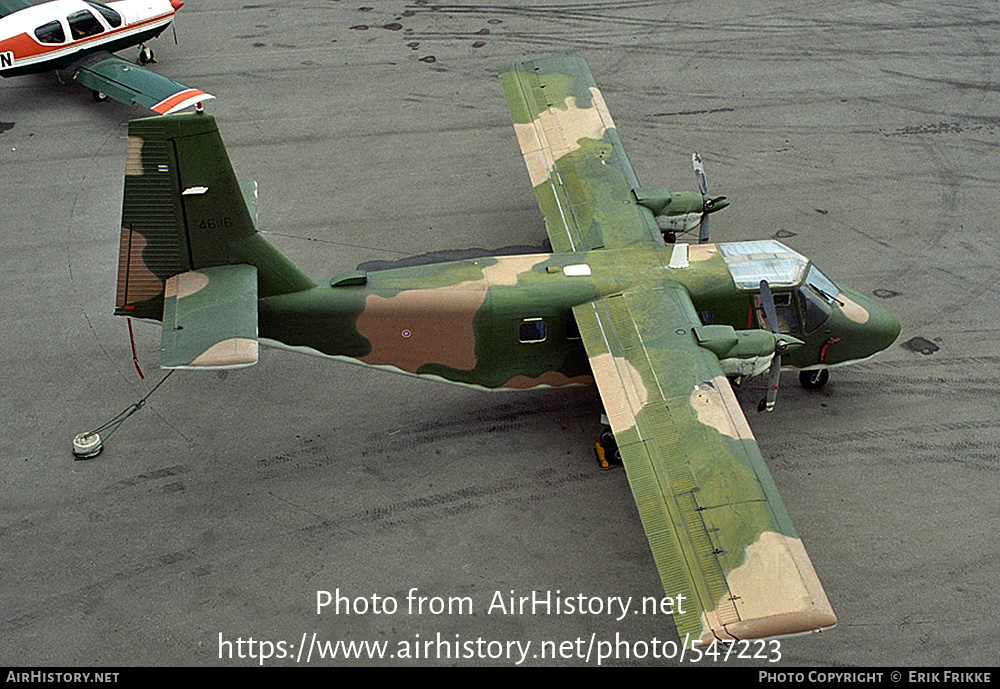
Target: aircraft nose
878,328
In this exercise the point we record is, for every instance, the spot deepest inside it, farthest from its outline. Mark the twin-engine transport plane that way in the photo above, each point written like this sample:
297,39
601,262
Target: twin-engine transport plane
662,328
80,36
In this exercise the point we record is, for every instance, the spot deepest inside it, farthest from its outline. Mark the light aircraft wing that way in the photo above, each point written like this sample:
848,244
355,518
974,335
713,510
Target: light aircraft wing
210,318
12,6
582,178
719,532
132,84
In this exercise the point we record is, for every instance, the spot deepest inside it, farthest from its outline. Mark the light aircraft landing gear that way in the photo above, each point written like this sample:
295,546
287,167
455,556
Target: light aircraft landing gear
98,96
146,56
606,450
814,380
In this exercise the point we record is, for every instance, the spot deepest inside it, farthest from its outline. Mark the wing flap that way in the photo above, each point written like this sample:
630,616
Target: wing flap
132,84
718,530
210,318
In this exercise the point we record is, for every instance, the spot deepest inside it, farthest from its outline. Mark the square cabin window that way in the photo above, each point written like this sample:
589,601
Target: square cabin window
531,330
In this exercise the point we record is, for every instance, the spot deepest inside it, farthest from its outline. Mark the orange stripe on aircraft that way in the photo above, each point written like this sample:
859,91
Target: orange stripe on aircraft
171,102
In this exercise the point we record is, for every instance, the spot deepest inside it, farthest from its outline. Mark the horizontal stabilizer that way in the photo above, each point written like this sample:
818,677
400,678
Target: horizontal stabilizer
132,84
210,318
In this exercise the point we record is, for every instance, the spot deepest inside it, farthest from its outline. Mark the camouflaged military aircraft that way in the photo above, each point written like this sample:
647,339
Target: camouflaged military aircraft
661,328
80,36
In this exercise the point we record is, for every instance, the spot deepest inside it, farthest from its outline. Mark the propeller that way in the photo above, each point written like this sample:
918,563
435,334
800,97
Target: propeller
709,203
780,345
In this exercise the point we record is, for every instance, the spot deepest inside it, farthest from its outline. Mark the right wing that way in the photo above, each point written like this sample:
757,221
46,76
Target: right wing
719,532
132,84
583,180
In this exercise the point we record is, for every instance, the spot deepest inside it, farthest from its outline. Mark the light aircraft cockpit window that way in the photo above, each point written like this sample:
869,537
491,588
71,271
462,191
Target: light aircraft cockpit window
50,32
83,24
113,18
815,309
822,284
531,330
784,307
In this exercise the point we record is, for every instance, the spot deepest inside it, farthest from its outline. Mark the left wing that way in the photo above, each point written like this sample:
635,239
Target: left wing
132,84
719,532
583,180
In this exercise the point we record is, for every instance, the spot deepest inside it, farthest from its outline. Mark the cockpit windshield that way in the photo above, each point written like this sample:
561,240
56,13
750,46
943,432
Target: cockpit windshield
821,284
803,295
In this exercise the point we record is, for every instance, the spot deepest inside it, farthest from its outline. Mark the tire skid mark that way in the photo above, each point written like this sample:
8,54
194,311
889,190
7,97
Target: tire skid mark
80,600
456,502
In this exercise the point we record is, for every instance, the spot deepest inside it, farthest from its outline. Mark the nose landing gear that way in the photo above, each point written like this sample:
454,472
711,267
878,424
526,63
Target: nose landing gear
815,379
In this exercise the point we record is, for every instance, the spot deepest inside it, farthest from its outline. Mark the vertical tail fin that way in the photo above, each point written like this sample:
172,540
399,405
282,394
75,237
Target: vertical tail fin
183,209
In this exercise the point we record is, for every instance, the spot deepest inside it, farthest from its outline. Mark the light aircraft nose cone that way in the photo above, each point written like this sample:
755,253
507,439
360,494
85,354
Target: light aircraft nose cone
879,329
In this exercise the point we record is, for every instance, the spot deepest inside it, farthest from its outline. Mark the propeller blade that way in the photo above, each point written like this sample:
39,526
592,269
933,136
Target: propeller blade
767,301
774,373
703,229
699,173
773,378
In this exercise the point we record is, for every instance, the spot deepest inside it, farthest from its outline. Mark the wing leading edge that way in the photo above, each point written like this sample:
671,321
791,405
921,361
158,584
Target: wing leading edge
718,529
583,180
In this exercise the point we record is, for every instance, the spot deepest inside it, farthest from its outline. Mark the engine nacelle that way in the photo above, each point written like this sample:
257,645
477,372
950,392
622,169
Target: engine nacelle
678,211
745,353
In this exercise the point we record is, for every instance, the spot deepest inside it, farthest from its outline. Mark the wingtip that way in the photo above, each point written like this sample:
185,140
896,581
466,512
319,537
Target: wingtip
181,100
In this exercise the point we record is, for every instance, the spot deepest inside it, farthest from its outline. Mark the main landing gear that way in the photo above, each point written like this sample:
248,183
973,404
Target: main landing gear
606,449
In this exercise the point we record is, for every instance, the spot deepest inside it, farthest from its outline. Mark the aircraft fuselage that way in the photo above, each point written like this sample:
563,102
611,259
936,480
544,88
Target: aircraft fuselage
507,322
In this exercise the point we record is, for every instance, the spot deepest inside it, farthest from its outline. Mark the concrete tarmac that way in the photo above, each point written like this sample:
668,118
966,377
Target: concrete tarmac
862,135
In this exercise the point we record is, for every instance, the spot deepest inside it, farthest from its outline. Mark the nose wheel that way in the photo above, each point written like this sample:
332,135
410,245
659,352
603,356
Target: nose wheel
814,380
146,56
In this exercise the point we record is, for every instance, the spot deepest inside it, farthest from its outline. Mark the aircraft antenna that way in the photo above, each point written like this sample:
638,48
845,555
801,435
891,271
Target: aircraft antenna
90,444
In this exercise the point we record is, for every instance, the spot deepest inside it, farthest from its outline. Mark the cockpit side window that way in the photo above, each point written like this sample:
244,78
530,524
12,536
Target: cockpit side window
113,18
784,307
50,32
815,309
83,24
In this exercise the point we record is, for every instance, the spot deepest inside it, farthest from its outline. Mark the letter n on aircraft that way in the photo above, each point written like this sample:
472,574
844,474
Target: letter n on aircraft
6,59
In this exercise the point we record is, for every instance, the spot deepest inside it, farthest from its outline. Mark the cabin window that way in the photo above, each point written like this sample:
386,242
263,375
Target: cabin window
83,24
113,18
531,330
51,32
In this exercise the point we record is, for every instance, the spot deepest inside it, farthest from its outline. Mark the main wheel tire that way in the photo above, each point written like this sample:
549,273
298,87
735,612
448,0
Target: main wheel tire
815,379
98,96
